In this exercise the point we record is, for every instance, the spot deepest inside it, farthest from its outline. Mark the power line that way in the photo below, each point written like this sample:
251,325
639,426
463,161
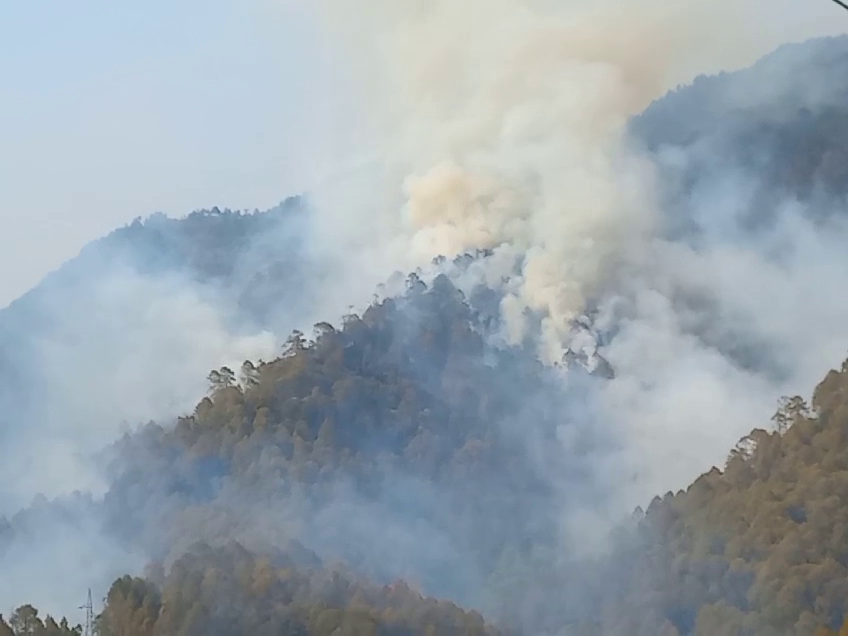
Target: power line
841,4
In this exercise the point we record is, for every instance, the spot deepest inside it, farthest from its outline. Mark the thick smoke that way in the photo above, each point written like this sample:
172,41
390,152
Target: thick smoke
103,346
130,346
504,126
125,333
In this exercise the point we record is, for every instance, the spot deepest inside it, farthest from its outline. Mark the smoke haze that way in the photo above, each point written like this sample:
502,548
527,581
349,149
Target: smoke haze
503,126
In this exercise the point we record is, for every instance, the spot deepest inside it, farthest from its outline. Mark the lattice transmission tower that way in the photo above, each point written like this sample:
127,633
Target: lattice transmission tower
88,628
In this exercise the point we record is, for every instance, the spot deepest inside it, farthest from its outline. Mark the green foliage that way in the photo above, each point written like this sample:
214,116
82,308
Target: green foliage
757,548
231,592
762,547
25,621
403,393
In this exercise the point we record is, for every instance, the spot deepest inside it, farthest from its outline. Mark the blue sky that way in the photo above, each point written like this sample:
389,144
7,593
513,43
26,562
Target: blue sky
113,110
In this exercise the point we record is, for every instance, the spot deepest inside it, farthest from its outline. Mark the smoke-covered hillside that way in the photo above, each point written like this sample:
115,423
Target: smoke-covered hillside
540,313
755,141
83,352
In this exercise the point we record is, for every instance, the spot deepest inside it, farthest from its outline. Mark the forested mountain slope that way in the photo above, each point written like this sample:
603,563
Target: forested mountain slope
754,139
756,548
228,255
412,443
760,547
208,287
225,247
399,444
230,591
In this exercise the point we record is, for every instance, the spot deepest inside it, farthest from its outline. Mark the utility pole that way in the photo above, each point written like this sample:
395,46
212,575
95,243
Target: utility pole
88,630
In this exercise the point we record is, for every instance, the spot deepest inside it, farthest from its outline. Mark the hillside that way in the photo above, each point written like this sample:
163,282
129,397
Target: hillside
413,470
222,246
759,547
229,256
229,591
280,463
754,139
397,445
204,288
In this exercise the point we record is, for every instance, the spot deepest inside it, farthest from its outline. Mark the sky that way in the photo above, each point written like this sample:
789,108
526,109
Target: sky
114,110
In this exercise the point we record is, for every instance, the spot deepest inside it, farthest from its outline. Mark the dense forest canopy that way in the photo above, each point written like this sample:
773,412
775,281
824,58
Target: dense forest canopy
392,444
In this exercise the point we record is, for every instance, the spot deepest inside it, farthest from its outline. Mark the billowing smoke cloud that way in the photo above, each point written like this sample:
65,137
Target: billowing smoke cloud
127,349
504,126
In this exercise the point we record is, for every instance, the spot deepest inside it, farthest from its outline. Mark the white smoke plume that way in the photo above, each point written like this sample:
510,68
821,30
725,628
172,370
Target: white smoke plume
507,126
128,349
502,124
